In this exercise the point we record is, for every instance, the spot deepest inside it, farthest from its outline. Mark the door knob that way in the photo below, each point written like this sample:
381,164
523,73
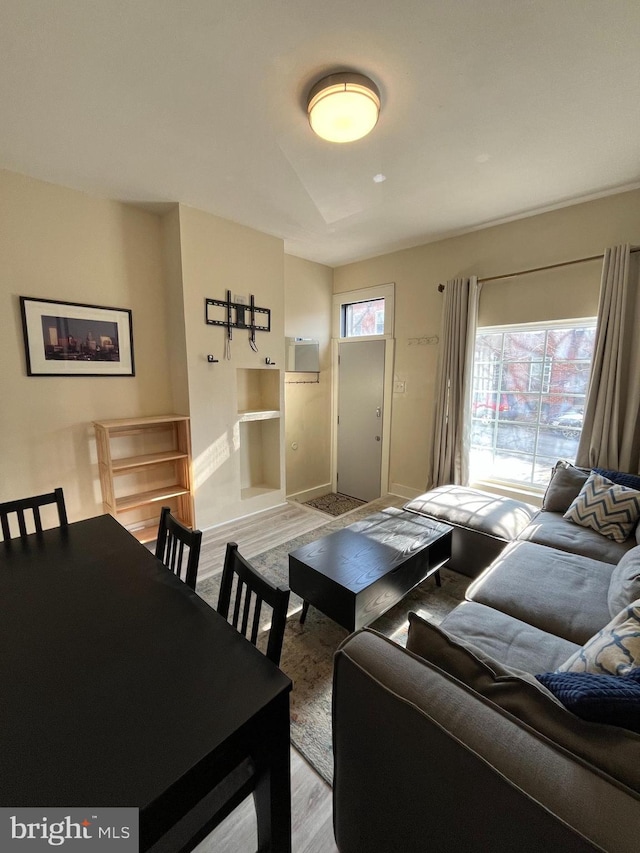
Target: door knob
377,438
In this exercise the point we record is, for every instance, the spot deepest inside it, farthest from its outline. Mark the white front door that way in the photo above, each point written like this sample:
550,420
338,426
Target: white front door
360,417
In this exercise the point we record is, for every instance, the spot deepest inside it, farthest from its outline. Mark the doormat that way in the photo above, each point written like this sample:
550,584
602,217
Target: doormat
335,504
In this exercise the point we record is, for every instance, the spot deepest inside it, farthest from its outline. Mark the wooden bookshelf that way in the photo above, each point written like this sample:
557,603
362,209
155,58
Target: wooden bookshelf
144,464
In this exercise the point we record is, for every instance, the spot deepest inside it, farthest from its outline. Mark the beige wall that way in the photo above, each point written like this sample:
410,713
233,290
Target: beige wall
176,340
572,232
308,292
56,243
60,244
217,255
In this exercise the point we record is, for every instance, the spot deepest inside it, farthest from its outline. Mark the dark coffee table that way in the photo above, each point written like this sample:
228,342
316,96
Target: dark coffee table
356,574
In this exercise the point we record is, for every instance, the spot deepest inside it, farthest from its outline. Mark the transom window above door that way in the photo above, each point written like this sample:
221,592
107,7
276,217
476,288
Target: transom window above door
361,319
365,313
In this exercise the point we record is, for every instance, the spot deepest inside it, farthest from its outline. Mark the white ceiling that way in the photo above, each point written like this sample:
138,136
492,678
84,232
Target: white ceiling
491,109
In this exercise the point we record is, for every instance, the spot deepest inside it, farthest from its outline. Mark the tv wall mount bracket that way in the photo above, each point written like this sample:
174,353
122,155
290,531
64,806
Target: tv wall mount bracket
238,315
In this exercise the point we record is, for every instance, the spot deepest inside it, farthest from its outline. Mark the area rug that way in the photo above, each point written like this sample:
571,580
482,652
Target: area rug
335,504
307,653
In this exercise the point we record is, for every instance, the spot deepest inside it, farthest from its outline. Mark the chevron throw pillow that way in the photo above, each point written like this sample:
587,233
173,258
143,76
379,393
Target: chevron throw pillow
615,650
610,509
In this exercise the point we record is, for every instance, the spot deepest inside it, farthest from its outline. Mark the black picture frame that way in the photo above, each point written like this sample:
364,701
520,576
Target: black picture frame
76,339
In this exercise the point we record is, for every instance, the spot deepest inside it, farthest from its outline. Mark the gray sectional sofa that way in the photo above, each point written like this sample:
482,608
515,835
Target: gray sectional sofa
452,744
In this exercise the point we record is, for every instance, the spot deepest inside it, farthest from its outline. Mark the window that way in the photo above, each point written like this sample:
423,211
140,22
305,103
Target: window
364,313
529,388
363,318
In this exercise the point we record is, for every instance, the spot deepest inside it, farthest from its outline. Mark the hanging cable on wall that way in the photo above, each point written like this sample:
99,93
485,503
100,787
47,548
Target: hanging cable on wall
252,324
227,344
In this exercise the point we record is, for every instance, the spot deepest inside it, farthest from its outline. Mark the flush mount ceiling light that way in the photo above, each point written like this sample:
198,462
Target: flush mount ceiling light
343,107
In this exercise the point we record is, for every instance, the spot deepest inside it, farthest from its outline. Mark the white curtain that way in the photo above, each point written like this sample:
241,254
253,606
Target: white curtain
452,416
611,430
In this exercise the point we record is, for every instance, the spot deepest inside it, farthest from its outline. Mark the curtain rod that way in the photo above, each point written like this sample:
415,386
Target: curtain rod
541,269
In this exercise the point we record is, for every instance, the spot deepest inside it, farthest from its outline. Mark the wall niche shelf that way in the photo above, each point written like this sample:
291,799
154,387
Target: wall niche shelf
144,464
258,395
260,415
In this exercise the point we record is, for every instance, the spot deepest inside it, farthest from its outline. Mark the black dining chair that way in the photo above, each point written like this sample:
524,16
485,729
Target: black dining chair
242,779
252,589
173,538
27,510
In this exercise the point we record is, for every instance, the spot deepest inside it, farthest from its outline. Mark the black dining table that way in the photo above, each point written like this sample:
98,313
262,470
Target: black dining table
120,686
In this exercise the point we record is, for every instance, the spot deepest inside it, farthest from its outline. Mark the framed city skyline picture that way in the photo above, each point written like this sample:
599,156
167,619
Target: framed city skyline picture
72,339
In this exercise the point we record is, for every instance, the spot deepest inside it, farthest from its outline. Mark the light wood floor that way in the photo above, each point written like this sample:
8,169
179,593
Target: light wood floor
257,533
311,818
311,803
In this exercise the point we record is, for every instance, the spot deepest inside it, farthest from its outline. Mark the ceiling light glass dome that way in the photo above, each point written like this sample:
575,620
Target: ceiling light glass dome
343,107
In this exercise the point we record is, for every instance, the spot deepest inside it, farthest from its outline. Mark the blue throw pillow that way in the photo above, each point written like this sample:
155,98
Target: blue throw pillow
612,699
632,481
